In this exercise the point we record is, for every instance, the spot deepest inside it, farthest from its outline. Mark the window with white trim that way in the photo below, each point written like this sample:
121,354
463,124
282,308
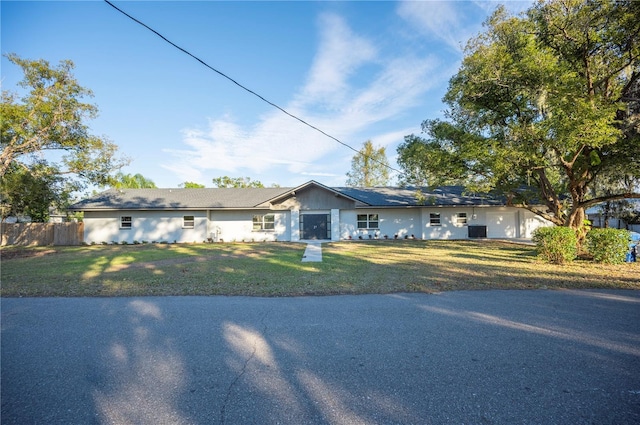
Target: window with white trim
126,222
461,219
264,222
188,222
434,219
368,221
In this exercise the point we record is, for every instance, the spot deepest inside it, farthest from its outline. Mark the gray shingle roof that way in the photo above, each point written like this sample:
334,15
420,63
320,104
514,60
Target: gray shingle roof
214,198
406,197
161,199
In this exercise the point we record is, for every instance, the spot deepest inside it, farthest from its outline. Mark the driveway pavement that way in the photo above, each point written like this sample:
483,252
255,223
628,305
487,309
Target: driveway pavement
494,357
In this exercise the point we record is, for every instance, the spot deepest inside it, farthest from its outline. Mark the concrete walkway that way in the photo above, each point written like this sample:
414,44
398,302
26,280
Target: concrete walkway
313,253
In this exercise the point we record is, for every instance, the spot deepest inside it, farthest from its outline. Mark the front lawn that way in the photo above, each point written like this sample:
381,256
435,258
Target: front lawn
275,269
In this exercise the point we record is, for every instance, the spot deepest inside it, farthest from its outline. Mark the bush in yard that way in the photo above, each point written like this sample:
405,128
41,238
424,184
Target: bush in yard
608,245
556,244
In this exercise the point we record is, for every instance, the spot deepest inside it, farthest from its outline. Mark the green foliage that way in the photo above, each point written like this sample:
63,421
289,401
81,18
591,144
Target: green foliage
557,245
51,118
129,181
546,101
47,149
236,182
369,167
608,246
416,152
30,192
191,185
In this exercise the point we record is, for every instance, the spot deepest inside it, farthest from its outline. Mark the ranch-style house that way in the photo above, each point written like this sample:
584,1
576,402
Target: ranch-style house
311,211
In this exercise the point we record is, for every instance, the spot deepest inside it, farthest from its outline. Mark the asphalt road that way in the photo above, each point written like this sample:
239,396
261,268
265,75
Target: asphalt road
495,357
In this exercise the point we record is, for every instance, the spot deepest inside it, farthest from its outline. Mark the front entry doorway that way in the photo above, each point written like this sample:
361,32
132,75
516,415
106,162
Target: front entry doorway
315,226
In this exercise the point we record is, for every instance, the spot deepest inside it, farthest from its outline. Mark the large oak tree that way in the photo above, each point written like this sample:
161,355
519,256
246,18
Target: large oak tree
544,107
44,134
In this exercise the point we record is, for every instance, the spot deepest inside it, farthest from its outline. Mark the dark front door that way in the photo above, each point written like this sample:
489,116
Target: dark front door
315,226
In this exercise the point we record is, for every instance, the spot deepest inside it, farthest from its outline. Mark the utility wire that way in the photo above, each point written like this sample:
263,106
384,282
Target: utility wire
245,88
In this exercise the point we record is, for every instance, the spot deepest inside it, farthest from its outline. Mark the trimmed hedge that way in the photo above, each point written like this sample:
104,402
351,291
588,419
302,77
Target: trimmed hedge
608,245
557,244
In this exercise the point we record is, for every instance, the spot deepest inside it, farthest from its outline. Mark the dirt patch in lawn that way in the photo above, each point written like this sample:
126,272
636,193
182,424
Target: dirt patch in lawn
11,254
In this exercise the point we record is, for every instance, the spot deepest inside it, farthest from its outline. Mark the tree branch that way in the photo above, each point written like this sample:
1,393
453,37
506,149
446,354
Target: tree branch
606,198
540,213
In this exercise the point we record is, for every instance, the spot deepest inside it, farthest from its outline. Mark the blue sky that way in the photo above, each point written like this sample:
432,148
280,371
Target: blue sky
357,70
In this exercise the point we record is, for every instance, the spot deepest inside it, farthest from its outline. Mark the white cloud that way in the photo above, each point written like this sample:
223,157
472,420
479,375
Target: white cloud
394,138
341,53
332,99
448,21
454,22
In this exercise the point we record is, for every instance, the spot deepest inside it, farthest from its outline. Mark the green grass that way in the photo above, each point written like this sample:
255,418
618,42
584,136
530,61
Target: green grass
275,269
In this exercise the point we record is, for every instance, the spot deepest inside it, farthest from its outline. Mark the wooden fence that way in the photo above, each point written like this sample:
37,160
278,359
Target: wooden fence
42,233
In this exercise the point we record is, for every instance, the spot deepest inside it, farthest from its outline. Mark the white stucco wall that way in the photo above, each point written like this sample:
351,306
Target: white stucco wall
335,224
236,226
404,223
230,226
148,226
391,222
448,228
347,224
501,222
530,222
294,220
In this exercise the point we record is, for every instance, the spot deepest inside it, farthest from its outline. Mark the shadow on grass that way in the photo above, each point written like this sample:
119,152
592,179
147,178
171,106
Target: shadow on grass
275,269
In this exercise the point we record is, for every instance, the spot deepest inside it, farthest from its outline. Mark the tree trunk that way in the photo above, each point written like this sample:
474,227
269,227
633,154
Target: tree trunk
576,222
576,218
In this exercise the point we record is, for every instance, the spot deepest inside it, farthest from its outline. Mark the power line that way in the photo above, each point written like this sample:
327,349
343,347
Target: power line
245,88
